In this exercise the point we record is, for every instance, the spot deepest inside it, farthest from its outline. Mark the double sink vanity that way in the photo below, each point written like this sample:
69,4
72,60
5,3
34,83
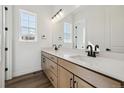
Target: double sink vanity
70,68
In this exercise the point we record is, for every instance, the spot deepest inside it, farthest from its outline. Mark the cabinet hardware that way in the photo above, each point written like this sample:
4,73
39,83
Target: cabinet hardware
6,29
6,49
71,83
75,84
6,8
107,49
6,69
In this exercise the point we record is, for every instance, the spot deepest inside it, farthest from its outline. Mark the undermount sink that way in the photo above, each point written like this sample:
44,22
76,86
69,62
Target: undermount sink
81,57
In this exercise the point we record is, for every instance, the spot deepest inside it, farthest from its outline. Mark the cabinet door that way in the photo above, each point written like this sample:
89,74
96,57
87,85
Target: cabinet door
65,78
117,28
52,66
79,83
95,23
44,64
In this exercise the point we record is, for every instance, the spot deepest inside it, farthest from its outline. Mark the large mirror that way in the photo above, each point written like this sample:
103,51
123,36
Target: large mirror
102,25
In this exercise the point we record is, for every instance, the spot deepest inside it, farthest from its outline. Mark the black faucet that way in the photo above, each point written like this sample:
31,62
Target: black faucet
95,52
96,46
57,47
91,50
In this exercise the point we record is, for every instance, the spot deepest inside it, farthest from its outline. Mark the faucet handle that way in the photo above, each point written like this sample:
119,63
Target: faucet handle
59,45
97,52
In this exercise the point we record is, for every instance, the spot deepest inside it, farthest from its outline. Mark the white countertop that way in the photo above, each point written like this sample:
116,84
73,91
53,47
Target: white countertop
111,67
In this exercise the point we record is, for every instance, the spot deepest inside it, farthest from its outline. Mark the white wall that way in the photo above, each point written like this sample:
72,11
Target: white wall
27,57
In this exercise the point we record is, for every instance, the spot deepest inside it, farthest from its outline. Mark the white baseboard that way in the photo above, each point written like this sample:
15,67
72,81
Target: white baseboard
26,71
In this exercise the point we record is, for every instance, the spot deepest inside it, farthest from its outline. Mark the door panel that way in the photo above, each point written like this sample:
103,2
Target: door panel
117,28
65,78
79,83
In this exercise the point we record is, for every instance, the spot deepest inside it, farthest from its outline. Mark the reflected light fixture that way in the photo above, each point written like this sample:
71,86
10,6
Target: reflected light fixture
57,15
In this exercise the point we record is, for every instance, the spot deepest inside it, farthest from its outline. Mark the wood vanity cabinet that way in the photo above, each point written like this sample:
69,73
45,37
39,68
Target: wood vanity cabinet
65,78
44,64
65,74
79,83
88,78
68,80
49,67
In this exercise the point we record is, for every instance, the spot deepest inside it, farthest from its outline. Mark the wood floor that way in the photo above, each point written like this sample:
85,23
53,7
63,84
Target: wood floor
33,80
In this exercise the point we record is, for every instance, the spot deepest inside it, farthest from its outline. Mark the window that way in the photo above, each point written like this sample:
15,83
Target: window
67,33
28,26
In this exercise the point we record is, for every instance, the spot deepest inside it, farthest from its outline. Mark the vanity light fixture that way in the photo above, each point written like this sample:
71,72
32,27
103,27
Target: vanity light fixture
57,15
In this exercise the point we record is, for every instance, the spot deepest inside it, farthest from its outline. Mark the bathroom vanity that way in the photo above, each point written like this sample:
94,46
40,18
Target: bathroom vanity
68,68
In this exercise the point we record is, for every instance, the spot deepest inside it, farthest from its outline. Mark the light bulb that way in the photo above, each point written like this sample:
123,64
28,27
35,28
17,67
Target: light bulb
60,13
53,20
57,16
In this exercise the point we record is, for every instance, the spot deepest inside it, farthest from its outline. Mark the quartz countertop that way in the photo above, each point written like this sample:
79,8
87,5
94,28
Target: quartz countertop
108,66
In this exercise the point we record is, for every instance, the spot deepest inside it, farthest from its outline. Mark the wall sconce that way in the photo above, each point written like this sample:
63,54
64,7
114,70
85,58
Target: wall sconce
57,15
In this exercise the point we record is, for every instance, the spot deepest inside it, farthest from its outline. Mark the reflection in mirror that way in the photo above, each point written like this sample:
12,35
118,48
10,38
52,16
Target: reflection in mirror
79,34
100,25
67,32
63,32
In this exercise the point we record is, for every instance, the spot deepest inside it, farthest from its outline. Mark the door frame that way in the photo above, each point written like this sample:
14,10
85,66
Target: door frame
7,22
2,49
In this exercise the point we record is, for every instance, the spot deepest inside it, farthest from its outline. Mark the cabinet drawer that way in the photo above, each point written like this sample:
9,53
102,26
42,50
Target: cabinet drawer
91,77
53,79
52,66
51,57
44,54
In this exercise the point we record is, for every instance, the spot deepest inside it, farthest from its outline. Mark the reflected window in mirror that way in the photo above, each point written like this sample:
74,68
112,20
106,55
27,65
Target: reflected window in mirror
79,35
67,32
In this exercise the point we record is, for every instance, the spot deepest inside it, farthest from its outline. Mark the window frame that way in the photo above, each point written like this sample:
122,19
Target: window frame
68,33
20,27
